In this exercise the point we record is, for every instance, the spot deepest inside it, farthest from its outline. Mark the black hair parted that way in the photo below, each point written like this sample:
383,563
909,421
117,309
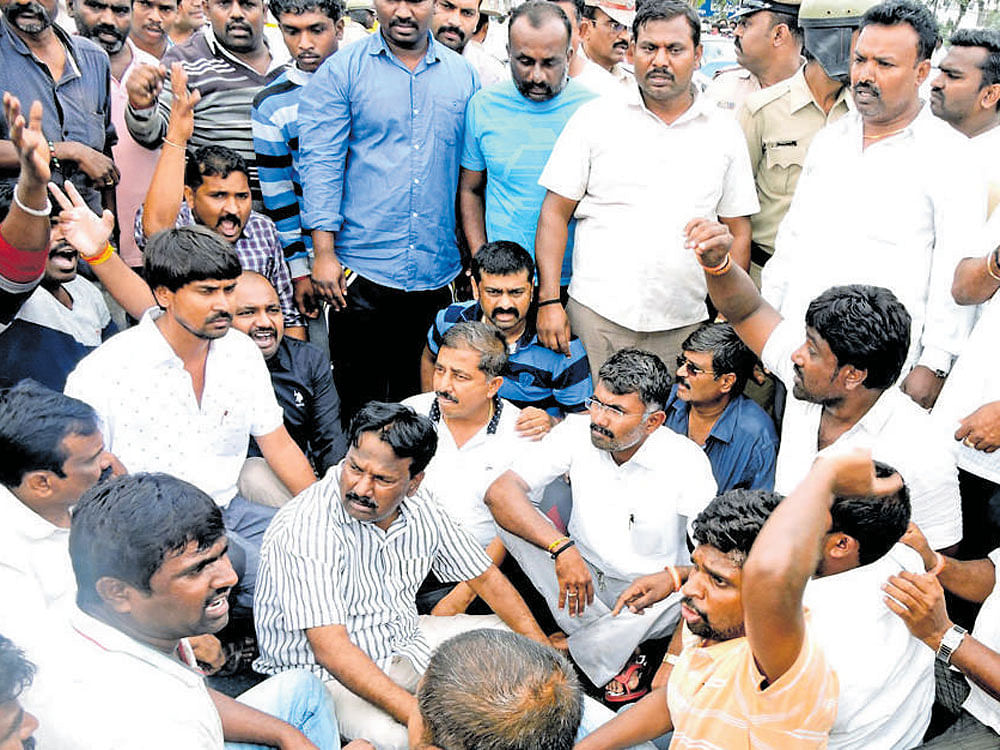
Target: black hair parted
875,523
666,10
502,258
178,256
410,435
212,161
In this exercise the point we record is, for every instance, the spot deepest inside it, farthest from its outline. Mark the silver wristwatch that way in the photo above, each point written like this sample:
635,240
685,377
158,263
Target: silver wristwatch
951,640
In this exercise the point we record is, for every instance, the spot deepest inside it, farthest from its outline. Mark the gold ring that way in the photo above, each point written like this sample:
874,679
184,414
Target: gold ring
570,594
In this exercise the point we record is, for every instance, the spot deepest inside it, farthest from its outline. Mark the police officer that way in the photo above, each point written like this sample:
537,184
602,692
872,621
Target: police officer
780,121
768,49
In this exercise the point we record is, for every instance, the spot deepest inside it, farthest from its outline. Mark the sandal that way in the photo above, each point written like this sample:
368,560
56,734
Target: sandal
636,667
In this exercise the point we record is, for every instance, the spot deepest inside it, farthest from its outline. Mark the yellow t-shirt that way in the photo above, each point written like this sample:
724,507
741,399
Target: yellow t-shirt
715,699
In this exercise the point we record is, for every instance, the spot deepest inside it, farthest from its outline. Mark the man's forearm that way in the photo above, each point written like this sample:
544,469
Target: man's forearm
21,229
286,460
973,283
473,211
241,723
972,580
741,230
494,589
508,501
646,720
979,663
550,245
166,192
125,285
734,295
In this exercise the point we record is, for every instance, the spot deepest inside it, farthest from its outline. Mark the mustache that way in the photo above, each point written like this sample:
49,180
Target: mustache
229,217
453,29
660,71
104,28
602,430
225,591
446,396
238,25
404,22
688,602
64,249
513,310
220,316
622,43
261,329
366,501
869,87
15,10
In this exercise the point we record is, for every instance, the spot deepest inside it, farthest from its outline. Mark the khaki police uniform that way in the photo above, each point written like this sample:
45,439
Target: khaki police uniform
779,123
731,88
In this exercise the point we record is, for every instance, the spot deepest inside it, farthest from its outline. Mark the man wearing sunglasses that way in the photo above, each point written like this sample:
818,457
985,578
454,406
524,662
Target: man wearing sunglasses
635,486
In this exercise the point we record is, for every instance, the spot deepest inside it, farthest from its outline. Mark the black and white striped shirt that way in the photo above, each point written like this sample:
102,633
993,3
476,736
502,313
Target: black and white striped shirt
319,566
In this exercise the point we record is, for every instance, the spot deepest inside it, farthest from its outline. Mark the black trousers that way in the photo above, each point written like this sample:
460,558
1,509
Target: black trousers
376,342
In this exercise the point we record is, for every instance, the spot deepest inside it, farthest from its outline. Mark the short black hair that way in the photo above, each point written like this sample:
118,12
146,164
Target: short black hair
876,523
176,257
16,672
732,521
666,10
483,338
636,371
537,12
865,326
125,528
212,161
729,353
579,7
34,420
918,16
988,39
790,21
332,9
410,435
502,258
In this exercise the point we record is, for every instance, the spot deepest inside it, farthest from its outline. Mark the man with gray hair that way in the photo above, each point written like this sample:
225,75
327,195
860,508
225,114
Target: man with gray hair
477,442
634,488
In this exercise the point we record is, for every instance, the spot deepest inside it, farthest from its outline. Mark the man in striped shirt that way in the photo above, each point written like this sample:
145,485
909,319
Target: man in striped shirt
312,30
340,568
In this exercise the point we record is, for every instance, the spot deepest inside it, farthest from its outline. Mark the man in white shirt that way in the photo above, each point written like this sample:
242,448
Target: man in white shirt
182,393
631,169
840,371
886,197
585,71
635,486
455,24
604,37
477,439
149,554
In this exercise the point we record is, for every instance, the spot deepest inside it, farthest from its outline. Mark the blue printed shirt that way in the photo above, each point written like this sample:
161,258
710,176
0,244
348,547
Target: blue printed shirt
535,375
742,445
511,137
379,152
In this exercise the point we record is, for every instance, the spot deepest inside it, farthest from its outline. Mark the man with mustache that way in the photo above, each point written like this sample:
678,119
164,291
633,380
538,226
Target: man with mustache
768,45
458,24
543,384
368,523
499,194
781,121
228,63
151,24
604,37
211,188
108,22
635,486
69,75
189,19
902,183
312,30
614,168
380,134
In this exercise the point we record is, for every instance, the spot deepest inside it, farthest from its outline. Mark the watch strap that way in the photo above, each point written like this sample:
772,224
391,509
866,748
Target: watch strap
951,640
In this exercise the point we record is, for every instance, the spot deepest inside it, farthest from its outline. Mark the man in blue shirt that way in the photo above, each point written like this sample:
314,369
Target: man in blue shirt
544,384
510,130
707,404
380,129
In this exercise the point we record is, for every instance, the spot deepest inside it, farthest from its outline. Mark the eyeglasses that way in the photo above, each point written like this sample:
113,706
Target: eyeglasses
593,403
693,369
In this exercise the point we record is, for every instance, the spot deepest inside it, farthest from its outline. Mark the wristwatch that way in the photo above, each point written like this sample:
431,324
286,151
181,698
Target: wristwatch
952,640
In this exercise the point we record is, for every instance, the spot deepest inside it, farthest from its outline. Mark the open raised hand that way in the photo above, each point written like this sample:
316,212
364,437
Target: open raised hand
82,228
29,141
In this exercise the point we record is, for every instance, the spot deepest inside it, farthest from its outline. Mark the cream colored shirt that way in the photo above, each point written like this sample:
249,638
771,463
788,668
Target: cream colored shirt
730,89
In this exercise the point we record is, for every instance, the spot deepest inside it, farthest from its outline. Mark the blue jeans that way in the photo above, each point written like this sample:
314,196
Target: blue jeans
246,523
299,698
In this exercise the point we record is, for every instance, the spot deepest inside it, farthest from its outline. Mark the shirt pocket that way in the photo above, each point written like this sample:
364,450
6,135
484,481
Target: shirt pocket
783,162
449,119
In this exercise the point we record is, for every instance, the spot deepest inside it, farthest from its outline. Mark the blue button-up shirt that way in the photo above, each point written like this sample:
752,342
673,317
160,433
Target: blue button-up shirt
742,445
379,149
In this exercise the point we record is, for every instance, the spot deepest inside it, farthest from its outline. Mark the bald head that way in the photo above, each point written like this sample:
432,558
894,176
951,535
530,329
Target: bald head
258,312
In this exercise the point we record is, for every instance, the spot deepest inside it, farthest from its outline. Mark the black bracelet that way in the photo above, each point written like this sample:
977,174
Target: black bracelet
562,549
555,301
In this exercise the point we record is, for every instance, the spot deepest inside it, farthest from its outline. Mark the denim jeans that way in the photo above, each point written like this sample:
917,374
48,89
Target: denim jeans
299,698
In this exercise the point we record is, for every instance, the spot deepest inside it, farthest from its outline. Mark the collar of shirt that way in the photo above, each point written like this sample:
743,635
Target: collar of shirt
298,76
700,107
21,519
916,128
377,46
874,420
220,51
799,94
158,350
70,72
111,639
722,430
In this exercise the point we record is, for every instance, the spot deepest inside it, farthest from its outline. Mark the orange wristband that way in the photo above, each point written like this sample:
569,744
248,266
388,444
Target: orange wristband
96,260
719,269
674,576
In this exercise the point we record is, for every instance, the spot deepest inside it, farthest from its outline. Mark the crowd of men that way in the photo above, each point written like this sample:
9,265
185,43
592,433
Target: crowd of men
447,374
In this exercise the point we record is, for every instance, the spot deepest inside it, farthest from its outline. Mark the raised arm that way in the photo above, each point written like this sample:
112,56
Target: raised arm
732,290
26,226
551,236
786,552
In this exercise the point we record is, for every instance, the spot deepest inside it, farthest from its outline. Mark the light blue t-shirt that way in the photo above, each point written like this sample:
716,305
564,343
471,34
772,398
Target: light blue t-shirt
511,137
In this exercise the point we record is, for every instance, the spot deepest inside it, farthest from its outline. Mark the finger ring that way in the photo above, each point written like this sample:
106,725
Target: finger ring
968,442
570,594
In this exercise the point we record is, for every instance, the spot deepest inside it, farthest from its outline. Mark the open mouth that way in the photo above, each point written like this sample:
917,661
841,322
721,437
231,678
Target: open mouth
264,337
228,227
218,606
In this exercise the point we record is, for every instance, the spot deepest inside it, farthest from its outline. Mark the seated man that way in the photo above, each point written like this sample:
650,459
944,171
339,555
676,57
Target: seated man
340,568
707,404
16,724
841,372
635,486
477,441
149,555
536,379
182,393
919,600
213,190
752,673
300,374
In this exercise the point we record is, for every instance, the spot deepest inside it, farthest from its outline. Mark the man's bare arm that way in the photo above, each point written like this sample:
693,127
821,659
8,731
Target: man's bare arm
550,247
241,723
286,459
472,207
646,720
30,154
739,227
494,589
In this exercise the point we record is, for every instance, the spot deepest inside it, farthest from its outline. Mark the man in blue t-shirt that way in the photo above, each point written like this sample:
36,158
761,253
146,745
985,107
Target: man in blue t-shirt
510,129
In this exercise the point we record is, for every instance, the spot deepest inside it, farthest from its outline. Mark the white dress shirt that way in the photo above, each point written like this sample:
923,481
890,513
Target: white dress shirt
898,214
639,181
490,69
631,519
886,675
896,430
986,147
457,478
149,415
981,704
